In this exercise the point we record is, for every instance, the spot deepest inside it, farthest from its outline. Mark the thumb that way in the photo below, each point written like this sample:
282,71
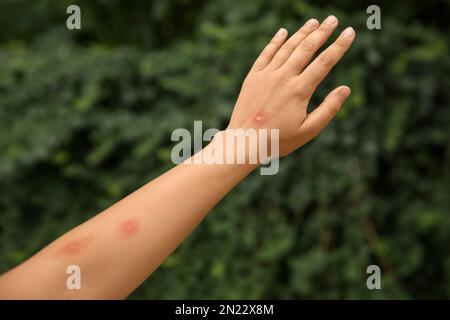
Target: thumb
323,114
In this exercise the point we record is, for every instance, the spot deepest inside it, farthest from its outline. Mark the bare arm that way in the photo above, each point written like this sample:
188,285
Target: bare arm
120,247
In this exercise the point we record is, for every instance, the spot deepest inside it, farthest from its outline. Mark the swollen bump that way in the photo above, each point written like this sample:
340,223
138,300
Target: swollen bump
129,228
75,246
259,119
72,247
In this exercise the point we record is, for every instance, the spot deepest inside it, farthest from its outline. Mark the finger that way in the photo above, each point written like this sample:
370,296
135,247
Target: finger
269,51
304,52
322,115
321,66
289,46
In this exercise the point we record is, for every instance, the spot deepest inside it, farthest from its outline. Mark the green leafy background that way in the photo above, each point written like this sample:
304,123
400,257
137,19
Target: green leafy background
86,118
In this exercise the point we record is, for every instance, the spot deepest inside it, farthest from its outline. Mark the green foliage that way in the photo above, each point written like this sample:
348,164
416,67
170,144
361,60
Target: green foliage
86,118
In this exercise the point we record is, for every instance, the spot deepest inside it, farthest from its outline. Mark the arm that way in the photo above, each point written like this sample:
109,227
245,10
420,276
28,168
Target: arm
120,247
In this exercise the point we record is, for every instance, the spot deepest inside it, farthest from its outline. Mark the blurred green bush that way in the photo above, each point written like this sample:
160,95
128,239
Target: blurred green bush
86,118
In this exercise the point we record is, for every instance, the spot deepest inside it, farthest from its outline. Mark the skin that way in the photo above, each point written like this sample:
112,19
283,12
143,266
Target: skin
121,246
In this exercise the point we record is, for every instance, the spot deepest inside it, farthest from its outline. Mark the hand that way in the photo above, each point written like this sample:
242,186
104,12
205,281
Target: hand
277,90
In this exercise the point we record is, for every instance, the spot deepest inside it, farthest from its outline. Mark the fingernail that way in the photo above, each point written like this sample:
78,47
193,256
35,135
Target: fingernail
348,32
331,20
345,92
280,33
312,23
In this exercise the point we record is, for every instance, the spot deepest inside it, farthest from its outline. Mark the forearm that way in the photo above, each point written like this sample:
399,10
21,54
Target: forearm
119,248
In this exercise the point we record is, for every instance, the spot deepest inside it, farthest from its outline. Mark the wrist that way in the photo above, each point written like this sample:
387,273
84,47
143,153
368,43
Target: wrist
227,149
238,148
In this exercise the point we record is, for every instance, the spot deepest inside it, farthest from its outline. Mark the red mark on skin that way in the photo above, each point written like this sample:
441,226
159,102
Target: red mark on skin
75,246
129,227
259,118
72,247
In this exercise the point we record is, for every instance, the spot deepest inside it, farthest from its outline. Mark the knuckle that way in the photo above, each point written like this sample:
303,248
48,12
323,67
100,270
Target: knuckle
304,31
310,133
340,43
326,59
276,41
271,46
288,47
325,28
333,108
304,93
308,45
